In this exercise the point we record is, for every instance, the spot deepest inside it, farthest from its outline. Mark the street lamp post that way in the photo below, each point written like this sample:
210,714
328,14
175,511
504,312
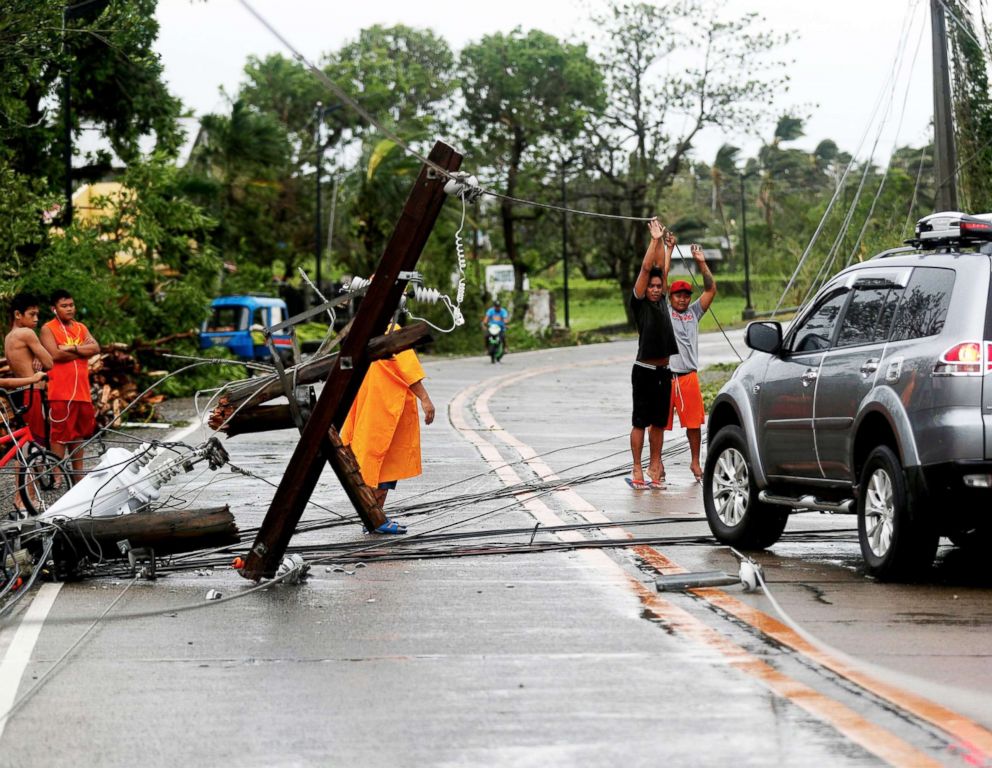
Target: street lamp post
319,161
87,10
321,111
748,312
564,236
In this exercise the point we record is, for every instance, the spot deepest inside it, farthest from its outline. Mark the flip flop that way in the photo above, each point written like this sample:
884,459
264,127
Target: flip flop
637,485
659,486
391,526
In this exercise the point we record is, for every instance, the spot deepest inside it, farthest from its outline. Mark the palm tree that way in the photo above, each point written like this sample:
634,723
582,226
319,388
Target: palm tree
724,166
775,161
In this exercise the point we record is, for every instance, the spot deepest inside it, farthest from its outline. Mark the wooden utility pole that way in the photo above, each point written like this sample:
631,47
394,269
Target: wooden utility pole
945,155
317,443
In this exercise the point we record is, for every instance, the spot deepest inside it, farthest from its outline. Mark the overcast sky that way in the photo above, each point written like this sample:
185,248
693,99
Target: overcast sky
843,52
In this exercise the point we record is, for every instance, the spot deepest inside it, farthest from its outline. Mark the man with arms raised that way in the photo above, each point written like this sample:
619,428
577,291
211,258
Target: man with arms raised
650,378
70,405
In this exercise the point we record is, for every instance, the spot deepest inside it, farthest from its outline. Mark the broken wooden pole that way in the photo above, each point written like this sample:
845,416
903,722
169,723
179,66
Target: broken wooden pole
166,531
314,448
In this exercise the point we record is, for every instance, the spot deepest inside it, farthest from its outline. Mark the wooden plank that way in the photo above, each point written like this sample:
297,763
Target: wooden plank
382,298
349,474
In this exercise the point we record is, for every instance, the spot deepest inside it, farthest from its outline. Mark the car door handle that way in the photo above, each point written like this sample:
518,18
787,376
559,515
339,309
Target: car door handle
809,377
869,366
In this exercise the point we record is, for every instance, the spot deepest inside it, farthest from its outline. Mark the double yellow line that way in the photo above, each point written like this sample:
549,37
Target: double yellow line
965,739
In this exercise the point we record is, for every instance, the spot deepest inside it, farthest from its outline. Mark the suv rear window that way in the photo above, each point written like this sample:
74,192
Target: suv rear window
924,304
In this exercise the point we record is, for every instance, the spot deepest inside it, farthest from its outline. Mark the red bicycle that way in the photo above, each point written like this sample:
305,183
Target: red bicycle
42,477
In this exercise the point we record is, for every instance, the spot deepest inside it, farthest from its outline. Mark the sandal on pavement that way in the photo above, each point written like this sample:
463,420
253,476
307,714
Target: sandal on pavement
657,486
391,526
637,485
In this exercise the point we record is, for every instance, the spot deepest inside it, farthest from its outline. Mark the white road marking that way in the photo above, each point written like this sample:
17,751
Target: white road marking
15,661
18,654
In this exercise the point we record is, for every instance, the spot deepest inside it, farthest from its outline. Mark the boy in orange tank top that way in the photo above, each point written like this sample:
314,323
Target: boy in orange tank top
70,405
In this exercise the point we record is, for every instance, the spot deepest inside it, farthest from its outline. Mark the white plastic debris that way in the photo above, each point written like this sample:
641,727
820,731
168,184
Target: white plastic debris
213,594
749,575
292,569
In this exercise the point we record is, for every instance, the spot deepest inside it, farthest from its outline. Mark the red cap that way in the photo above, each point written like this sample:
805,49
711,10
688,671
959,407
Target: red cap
681,285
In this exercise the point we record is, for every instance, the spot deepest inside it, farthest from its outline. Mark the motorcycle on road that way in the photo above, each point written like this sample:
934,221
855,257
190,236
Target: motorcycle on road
494,342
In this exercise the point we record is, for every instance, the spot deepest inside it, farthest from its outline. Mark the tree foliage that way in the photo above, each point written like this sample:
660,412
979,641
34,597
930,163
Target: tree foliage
724,77
522,91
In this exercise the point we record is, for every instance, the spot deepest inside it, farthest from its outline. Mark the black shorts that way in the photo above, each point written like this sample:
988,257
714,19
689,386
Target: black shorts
652,396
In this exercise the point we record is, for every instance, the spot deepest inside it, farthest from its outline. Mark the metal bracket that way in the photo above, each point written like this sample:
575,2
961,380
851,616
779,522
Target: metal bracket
288,387
412,277
139,555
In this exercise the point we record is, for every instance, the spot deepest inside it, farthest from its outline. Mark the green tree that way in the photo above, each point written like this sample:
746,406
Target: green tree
972,110
116,81
521,91
145,270
723,78
722,172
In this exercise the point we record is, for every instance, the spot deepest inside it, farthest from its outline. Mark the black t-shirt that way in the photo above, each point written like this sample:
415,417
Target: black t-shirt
654,326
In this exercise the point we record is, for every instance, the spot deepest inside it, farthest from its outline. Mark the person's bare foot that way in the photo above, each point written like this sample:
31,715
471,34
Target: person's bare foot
697,471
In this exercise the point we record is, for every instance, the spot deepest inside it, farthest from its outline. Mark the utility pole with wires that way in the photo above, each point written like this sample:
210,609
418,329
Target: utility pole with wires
945,155
318,247
319,442
748,313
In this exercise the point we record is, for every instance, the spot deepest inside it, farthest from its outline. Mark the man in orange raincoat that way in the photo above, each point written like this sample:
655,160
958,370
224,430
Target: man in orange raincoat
383,426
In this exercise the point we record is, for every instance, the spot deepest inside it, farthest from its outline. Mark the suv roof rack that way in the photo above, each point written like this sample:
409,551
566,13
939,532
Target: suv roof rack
952,228
897,251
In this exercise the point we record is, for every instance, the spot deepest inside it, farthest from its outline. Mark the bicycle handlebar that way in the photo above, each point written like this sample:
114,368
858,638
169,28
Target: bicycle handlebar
26,402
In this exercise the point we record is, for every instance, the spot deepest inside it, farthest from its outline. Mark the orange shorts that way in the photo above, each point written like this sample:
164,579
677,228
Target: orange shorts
34,416
72,421
35,419
687,401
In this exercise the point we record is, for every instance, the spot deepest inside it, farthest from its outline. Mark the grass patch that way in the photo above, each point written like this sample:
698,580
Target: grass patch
712,378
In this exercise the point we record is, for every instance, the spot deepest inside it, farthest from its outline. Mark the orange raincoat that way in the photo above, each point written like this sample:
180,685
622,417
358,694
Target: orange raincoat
383,426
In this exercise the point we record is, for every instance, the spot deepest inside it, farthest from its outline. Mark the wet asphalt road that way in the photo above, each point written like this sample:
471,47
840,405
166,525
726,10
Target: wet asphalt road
533,658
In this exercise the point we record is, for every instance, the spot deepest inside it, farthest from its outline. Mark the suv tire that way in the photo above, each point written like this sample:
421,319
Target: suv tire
735,514
893,544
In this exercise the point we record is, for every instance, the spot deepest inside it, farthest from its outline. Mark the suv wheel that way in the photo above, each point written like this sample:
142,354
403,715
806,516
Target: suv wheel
892,543
733,511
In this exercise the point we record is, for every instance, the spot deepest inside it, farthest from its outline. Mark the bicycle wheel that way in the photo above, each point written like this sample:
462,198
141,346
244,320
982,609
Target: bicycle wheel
42,481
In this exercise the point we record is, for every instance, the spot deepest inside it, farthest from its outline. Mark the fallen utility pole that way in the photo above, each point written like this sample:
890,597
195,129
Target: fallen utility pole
317,443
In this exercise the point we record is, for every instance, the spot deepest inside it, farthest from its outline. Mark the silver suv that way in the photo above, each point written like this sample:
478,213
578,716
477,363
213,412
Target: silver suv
876,401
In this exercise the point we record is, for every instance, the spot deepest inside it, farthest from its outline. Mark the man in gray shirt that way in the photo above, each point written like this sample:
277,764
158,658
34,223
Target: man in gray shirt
687,396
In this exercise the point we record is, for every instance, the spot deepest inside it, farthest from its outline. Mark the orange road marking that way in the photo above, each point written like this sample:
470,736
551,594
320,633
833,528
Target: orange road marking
873,738
975,741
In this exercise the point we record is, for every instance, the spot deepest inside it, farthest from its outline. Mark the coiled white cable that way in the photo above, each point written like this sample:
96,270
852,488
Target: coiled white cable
433,295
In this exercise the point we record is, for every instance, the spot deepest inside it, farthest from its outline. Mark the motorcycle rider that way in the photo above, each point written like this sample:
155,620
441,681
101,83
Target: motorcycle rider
496,314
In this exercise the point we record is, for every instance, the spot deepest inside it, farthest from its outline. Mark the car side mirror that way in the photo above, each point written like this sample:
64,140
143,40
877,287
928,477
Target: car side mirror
764,337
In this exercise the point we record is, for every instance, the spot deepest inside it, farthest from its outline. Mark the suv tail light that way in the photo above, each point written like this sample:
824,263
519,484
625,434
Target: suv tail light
968,358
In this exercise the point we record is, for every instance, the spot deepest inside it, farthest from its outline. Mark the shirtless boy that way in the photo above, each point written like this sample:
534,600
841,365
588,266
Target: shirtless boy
27,358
